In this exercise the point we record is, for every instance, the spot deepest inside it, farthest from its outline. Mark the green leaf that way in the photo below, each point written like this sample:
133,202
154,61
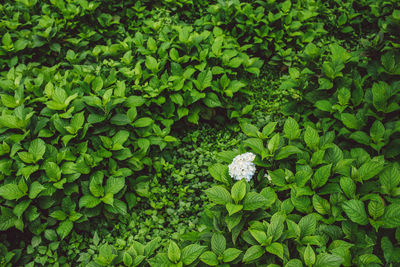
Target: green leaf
348,186
231,254
64,228
203,80
376,208
309,256
321,205
350,121
7,218
369,259
59,215
209,258
127,259
218,195
391,217
370,169
253,253
97,84
380,95
268,129
233,208
151,64
294,263
143,122
88,201
328,260
219,172
273,143
321,176
276,249
37,148
249,129
311,138
114,185
308,225
291,129
238,191
191,252
53,172
323,105
287,151
174,253
390,179
11,192
276,226
218,243
355,210
253,201
212,100
256,144
259,235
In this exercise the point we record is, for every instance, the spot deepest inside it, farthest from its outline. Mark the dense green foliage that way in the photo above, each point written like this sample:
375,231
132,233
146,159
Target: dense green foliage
98,166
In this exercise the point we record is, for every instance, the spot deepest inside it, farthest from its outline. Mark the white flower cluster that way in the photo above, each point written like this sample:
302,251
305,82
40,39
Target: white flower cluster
242,166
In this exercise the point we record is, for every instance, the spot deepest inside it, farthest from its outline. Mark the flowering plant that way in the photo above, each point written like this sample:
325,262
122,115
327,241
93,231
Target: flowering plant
242,166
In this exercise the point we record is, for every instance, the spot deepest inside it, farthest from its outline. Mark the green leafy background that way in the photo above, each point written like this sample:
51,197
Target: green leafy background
118,120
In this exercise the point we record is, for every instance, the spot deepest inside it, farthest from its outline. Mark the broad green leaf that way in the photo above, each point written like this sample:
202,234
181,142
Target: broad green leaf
37,148
231,254
97,84
294,263
321,205
328,260
276,226
309,256
142,122
191,252
218,195
311,138
209,258
253,201
218,243
376,208
308,225
370,169
389,179
350,121
114,185
391,217
212,100
253,253
11,192
219,172
174,253
276,249
260,236
273,143
321,176
291,129
249,129
256,144
238,191
233,208
355,210
348,186
287,151
64,228
88,201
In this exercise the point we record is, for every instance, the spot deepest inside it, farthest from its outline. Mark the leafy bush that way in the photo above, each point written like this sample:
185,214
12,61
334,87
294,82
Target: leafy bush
97,97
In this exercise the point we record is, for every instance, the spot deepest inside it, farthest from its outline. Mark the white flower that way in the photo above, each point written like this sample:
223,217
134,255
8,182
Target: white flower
243,167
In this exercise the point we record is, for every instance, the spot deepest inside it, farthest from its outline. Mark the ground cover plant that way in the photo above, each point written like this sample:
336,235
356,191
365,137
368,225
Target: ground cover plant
126,128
